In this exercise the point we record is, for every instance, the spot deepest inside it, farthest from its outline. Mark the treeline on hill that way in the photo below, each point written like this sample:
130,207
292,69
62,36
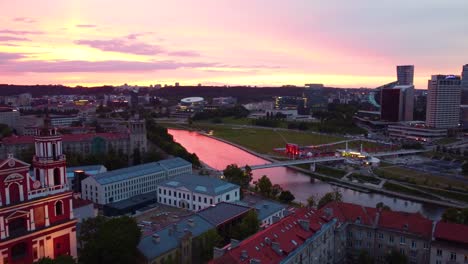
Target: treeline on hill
337,120
41,90
159,136
237,111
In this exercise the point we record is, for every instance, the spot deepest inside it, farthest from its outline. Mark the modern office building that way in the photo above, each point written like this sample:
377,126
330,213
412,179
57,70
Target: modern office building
443,101
417,131
122,184
397,103
405,74
36,211
314,97
194,192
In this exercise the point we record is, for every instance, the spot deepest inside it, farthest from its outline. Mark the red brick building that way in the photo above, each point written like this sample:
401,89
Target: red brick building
36,212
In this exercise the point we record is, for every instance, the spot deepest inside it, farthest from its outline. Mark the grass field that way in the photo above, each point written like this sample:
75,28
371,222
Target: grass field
265,140
401,189
417,177
364,178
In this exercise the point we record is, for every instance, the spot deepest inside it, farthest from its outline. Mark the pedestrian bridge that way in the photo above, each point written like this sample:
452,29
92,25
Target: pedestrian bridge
334,158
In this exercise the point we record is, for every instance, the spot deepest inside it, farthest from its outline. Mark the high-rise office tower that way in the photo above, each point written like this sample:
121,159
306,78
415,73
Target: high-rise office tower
443,101
405,74
397,103
464,85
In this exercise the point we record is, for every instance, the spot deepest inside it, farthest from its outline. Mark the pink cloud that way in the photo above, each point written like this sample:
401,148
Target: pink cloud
86,26
10,38
123,46
184,53
24,20
19,32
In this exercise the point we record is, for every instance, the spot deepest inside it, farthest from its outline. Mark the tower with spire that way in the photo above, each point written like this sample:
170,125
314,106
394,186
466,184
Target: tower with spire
36,210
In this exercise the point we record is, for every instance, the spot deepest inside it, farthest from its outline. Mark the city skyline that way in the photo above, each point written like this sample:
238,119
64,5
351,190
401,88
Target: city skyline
264,43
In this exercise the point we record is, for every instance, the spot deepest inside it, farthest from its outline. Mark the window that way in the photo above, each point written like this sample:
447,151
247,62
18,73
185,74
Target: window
205,200
453,256
211,200
402,251
439,252
413,244
59,208
402,240
369,234
227,197
381,235
390,239
57,177
199,199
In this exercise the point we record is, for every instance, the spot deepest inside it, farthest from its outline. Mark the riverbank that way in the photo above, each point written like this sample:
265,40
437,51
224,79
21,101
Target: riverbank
365,188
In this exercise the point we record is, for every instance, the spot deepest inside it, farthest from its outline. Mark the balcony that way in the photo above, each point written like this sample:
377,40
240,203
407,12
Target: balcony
47,191
49,160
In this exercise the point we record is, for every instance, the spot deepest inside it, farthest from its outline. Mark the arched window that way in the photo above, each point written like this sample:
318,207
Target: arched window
37,174
59,208
57,177
19,251
14,193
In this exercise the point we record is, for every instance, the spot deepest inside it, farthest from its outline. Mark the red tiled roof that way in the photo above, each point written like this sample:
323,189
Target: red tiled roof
406,222
451,232
288,233
66,138
348,212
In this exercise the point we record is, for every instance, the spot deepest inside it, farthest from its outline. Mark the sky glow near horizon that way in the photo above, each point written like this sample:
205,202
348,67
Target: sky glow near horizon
237,42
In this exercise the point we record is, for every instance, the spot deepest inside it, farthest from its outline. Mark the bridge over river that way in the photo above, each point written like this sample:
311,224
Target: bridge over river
334,158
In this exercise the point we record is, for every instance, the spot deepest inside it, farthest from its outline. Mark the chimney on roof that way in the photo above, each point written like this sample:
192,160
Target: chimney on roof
276,247
267,241
218,252
191,223
244,255
156,238
304,224
275,219
405,226
10,155
358,220
234,243
255,261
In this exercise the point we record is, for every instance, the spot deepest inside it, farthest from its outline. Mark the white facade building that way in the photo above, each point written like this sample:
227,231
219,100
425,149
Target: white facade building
196,192
122,184
443,101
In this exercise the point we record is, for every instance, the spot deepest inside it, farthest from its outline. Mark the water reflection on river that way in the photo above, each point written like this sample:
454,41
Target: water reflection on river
218,155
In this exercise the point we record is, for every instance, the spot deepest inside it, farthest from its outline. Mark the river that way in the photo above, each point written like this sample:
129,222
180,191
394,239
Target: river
218,155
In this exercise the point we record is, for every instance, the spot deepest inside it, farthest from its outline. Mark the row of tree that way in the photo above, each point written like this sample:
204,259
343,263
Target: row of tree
159,136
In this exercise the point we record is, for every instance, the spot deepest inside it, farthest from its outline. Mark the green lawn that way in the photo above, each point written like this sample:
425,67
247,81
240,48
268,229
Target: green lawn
265,140
364,178
401,189
329,171
417,177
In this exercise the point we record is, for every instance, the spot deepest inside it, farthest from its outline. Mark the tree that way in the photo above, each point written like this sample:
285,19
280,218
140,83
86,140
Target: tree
459,216
5,131
330,197
264,186
247,227
364,258
311,201
205,243
275,190
109,241
395,257
236,175
286,197
64,259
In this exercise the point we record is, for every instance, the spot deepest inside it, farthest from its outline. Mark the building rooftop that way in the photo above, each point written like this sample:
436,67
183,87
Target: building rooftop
348,212
12,140
170,236
451,232
274,244
173,163
138,170
89,169
264,207
413,223
222,212
199,184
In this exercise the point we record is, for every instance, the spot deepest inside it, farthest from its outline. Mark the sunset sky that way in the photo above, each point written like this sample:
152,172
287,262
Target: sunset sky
339,43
